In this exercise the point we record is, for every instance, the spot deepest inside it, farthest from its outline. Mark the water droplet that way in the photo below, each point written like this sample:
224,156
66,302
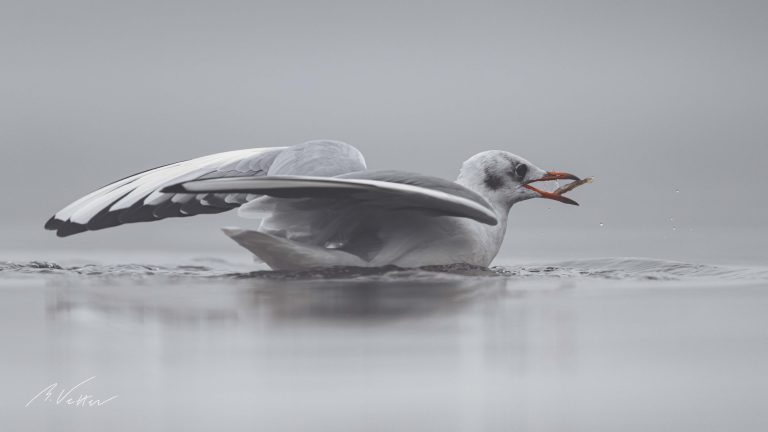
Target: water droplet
671,219
674,228
677,190
602,225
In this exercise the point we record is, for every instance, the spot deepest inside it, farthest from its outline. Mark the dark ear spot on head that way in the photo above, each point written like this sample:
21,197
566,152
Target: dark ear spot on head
493,181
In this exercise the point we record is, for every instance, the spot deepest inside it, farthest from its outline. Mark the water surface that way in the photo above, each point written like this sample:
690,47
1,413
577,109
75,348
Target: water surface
202,344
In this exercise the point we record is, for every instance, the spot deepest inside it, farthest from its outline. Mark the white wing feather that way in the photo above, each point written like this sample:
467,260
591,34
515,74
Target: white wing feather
136,198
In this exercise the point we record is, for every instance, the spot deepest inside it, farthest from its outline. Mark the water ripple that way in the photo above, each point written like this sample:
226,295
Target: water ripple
599,268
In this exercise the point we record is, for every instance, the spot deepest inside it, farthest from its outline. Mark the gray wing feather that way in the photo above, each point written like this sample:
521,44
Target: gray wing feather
385,189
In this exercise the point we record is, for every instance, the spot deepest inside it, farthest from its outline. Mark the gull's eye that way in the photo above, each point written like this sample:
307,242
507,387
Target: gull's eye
521,170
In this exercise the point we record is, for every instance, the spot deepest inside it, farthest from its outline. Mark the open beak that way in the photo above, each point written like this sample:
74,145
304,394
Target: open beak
552,175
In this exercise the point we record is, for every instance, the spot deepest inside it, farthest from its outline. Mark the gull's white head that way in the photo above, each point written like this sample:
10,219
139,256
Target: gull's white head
504,178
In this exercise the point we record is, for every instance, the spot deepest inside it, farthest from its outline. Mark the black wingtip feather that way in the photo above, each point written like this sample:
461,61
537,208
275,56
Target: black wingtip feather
137,213
53,223
167,209
105,219
70,228
176,188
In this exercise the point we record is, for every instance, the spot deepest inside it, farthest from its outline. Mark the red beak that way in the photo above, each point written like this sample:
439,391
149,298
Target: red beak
553,175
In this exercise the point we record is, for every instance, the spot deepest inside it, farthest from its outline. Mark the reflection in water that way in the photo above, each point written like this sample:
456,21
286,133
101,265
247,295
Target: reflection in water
352,301
569,347
449,345
274,300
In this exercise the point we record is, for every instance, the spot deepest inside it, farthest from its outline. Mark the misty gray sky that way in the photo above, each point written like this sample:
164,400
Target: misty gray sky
648,97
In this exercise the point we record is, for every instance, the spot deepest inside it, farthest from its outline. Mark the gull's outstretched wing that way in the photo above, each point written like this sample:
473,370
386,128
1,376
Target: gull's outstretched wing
139,198
383,189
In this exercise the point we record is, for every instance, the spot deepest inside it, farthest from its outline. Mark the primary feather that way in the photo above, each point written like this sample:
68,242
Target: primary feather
139,198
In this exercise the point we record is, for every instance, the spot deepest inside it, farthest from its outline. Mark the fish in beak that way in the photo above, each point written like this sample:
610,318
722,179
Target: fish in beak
549,176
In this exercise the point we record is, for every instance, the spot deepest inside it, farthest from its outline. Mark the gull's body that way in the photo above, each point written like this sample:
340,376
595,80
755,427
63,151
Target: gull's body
319,206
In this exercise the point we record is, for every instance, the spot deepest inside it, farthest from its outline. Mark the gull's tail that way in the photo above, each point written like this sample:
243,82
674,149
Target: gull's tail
284,254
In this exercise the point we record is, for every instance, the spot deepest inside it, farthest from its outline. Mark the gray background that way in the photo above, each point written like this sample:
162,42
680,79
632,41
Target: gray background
648,97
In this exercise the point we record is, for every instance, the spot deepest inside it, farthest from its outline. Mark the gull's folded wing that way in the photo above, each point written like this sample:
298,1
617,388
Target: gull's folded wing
385,189
138,198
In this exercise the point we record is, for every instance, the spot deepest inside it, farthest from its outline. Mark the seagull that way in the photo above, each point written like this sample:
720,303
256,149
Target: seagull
318,205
